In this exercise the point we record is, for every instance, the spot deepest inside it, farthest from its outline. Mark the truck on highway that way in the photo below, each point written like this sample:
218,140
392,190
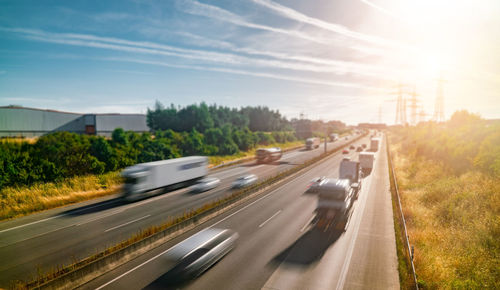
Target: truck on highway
366,161
334,137
335,206
144,178
265,155
312,143
351,171
374,144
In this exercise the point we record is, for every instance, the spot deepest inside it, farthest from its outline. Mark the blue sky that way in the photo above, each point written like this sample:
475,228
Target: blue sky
328,59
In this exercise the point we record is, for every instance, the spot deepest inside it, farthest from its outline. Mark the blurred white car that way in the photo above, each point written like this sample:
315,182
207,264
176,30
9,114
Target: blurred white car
245,180
205,184
316,183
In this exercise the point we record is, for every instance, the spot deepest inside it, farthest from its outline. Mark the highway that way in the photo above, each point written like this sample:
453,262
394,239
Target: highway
64,235
277,249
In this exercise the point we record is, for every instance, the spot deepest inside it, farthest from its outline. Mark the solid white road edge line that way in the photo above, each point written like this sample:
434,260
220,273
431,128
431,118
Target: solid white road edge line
127,223
277,213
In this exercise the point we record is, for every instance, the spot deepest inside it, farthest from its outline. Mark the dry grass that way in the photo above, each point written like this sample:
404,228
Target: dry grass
453,222
18,201
217,160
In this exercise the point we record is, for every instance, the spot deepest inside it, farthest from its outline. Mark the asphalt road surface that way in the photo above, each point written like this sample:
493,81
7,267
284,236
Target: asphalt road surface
278,249
64,235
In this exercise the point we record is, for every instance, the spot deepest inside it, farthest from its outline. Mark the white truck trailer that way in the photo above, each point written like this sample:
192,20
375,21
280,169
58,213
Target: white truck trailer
312,143
374,144
335,206
366,160
351,171
264,155
140,179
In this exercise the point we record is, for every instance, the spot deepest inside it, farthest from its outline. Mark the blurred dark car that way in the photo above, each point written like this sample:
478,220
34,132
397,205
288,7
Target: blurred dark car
345,151
359,149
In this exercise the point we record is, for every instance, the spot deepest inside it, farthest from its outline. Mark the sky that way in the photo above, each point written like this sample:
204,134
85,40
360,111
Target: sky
326,59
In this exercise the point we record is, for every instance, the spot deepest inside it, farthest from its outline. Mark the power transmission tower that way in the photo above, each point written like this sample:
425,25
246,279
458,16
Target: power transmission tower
413,107
439,107
400,107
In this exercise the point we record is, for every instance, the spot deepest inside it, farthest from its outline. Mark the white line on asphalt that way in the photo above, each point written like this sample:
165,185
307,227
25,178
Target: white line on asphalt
347,261
100,217
277,213
307,224
127,223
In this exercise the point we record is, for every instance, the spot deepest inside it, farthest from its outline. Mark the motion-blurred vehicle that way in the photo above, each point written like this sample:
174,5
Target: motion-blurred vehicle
205,184
351,171
359,149
312,143
315,184
244,181
264,155
374,144
363,145
352,147
143,178
345,151
193,256
366,161
335,206
334,137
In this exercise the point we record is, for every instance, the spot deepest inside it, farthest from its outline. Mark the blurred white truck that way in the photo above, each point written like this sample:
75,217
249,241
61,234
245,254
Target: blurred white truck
366,160
374,144
264,155
140,179
351,171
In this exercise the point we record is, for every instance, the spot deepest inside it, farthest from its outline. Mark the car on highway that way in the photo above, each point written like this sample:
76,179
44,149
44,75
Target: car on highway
345,151
315,184
205,184
352,147
363,145
193,256
359,149
244,181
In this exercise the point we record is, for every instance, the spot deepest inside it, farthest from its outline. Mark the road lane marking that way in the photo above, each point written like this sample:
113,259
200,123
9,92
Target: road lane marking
307,223
100,217
127,223
277,213
350,250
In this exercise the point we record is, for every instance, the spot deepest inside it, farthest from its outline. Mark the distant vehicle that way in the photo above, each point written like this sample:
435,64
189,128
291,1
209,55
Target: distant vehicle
366,161
193,256
359,149
264,155
315,184
244,181
363,145
312,143
351,171
352,147
345,151
335,206
374,144
140,179
205,184
334,137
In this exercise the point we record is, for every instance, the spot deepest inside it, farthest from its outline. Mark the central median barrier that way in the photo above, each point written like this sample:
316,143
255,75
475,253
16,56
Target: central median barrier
78,273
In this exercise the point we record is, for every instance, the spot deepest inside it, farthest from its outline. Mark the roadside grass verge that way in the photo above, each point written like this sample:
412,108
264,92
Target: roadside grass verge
453,222
18,201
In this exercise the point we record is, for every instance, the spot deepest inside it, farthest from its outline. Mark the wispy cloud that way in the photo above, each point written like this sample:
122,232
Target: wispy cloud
285,62
333,27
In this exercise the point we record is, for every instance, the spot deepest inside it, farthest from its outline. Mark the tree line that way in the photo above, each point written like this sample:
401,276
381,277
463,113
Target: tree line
203,117
59,155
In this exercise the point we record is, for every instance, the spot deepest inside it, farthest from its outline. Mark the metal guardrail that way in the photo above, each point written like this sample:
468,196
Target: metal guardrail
408,247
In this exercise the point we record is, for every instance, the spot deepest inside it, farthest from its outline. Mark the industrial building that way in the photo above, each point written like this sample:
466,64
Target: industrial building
17,121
